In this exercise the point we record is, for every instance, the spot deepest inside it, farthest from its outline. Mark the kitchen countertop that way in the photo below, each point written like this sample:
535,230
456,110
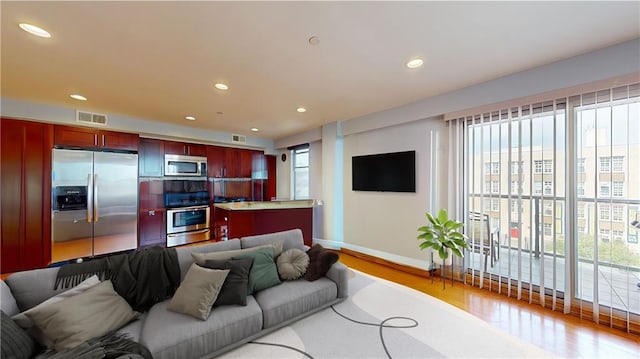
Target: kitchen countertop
286,204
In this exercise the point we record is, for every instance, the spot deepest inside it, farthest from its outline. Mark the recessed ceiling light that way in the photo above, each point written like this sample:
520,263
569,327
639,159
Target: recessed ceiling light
301,109
78,97
34,30
190,118
221,86
255,129
415,63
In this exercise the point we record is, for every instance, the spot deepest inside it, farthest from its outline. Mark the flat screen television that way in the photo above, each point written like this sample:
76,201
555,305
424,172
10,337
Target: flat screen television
385,172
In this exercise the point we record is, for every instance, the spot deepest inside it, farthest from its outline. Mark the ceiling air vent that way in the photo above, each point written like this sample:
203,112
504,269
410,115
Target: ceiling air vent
89,117
238,139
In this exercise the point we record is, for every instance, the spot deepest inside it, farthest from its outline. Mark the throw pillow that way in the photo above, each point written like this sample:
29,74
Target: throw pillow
320,260
95,312
234,289
198,291
7,301
292,264
264,273
201,258
23,319
14,341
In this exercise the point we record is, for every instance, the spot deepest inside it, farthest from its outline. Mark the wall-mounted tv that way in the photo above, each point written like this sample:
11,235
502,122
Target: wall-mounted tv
385,172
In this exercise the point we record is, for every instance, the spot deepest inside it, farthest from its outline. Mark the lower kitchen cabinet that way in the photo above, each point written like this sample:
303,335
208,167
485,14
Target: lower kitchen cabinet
25,168
152,228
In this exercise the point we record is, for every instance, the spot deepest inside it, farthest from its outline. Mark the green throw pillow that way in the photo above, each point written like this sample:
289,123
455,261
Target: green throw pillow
263,273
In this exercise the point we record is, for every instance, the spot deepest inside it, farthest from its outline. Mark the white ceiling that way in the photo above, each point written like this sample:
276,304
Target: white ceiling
159,60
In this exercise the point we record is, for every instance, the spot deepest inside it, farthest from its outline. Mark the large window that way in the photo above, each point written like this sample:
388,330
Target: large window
301,173
577,155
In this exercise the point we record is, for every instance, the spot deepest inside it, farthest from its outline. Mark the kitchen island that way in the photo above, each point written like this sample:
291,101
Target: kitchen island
241,219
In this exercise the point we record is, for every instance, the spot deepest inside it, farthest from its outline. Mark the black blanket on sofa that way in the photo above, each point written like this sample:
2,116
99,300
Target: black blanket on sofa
142,278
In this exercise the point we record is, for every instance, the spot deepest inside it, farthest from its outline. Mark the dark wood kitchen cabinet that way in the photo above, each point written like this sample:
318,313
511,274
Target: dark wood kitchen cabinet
84,137
152,228
25,169
230,162
151,157
183,148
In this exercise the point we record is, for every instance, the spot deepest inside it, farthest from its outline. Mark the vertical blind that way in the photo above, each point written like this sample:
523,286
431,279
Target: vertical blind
548,192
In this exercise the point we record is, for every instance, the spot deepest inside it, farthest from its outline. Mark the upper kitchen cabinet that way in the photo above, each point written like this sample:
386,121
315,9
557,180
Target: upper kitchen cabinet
84,137
215,161
151,157
25,168
229,162
182,148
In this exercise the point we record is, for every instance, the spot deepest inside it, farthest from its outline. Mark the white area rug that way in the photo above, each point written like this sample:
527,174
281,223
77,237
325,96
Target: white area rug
429,328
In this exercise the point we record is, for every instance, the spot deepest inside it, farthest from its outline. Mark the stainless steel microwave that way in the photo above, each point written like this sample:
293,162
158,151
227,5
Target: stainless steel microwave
178,165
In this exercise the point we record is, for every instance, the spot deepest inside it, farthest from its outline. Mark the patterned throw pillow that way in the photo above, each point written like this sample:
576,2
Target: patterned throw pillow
14,341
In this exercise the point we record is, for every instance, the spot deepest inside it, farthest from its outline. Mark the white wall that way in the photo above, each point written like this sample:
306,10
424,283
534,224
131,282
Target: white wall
386,222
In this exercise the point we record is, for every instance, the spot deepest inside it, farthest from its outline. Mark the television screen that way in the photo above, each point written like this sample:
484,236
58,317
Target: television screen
386,172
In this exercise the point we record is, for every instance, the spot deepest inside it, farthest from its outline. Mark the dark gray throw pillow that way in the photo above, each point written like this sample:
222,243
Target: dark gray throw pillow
14,341
234,289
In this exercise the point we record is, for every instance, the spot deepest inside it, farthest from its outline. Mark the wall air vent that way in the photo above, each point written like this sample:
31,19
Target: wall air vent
238,139
92,118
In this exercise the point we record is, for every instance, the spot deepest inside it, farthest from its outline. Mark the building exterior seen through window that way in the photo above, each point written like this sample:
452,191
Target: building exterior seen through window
300,173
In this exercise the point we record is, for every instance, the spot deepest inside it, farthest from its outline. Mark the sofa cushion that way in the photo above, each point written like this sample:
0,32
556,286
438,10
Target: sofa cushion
172,335
7,301
90,314
33,287
292,264
198,291
186,260
290,239
234,289
15,343
293,298
201,258
320,260
263,273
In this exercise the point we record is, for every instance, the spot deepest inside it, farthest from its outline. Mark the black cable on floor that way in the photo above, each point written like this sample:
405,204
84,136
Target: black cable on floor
381,325
284,346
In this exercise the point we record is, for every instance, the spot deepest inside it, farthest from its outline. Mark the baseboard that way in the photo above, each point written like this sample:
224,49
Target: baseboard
381,261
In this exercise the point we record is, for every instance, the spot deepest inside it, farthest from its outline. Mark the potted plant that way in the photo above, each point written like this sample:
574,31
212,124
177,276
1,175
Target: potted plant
442,235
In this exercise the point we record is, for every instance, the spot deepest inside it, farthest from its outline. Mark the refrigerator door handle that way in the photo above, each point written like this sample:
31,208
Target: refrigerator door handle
89,198
95,189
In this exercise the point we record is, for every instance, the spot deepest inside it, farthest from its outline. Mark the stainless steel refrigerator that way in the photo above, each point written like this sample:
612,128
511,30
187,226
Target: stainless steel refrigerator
94,203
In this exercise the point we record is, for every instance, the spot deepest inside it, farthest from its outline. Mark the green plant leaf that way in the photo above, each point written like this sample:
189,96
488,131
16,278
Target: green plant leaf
443,216
431,219
457,252
442,252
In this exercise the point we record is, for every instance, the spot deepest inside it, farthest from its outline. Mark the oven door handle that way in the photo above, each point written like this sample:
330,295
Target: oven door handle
190,232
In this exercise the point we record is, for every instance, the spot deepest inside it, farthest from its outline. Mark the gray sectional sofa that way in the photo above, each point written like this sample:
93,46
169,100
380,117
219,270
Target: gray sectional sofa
168,334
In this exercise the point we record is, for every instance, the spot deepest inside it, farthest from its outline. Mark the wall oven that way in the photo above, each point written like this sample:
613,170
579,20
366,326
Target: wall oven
188,213
187,225
178,165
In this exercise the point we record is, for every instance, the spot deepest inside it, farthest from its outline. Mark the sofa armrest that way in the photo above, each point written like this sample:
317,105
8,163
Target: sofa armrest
339,274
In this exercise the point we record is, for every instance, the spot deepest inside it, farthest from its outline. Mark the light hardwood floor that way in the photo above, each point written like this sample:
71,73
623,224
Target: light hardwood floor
566,336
